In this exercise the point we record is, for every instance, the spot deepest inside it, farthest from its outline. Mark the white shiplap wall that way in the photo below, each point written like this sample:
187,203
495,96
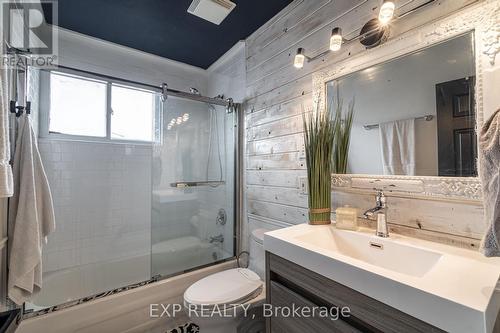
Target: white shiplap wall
277,94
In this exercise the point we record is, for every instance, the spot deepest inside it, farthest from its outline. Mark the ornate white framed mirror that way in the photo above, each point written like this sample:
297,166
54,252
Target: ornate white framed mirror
421,95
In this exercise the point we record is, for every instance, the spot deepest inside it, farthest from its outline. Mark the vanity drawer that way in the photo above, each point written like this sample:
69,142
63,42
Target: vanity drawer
283,297
368,314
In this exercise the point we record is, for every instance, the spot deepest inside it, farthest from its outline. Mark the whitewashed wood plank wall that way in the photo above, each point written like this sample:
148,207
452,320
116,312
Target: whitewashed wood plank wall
276,96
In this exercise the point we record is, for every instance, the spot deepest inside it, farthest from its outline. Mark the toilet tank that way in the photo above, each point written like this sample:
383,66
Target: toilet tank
257,254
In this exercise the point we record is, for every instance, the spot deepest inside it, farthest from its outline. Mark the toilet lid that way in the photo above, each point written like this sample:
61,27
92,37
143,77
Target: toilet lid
226,287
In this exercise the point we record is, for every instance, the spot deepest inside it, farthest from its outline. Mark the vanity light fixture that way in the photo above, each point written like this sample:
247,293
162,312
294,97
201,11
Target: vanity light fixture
300,58
386,12
373,33
336,39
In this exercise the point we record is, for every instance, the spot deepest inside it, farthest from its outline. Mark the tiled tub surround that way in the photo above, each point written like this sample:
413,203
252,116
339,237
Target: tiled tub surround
103,205
102,190
102,200
116,211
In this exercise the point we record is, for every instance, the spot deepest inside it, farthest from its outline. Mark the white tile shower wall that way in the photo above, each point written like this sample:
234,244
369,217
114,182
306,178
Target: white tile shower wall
227,76
34,96
102,200
87,177
193,150
183,157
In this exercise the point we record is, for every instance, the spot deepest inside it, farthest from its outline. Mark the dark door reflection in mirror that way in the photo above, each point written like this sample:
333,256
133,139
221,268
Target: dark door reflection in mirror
414,115
456,128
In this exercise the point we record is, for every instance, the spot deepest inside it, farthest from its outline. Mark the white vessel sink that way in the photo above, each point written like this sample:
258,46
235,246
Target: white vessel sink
451,288
382,252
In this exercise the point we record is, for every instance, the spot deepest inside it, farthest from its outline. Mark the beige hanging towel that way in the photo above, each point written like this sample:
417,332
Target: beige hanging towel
397,144
31,217
6,183
489,172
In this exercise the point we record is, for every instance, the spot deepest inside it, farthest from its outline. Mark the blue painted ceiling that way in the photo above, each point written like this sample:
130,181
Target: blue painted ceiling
164,27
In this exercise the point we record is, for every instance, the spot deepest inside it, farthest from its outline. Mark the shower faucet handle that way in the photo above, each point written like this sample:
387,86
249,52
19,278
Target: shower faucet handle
221,217
217,239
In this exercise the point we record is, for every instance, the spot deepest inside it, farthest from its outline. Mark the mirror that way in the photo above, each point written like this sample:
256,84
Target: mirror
413,115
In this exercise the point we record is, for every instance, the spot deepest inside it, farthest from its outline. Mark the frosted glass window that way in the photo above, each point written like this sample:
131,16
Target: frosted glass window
132,114
77,106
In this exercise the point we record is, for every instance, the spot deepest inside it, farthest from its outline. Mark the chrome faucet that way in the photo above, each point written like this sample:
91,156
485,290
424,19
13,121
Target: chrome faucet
381,211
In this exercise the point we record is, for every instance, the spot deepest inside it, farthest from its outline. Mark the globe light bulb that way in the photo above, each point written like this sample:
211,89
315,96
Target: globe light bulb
336,40
386,12
299,58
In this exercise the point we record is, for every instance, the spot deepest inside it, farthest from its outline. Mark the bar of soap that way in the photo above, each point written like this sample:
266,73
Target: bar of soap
347,218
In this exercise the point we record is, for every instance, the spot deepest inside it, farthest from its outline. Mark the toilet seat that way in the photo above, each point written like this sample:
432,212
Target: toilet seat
226,288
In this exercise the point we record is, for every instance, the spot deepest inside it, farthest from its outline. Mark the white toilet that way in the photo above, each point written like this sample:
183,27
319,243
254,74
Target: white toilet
217,303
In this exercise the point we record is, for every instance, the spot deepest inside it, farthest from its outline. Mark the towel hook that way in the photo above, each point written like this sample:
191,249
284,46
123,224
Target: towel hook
18,110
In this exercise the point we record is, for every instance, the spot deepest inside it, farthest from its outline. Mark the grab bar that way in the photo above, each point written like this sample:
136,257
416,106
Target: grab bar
426,118
195,184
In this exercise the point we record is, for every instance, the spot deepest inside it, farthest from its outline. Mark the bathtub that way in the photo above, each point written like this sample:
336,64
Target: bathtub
124,312
167,258
74,283
179,254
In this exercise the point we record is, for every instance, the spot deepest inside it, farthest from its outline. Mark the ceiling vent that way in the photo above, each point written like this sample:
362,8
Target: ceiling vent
214,11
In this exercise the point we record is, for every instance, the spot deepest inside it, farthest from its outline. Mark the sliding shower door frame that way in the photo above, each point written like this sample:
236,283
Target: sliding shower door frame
163,88
239,191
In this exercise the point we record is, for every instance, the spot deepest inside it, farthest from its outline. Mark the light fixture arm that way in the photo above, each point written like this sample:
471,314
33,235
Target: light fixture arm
345,41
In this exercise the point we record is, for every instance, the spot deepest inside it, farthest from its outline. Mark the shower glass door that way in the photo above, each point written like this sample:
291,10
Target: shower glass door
193,187
140,187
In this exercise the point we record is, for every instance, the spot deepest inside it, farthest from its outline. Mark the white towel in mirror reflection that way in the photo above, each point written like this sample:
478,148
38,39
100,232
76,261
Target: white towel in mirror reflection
397,140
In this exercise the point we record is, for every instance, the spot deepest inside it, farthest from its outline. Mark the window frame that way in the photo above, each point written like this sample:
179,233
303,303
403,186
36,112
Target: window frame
45,108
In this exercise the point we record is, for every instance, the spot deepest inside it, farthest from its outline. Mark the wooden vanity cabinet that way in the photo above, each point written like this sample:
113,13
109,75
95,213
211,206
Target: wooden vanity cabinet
288,283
